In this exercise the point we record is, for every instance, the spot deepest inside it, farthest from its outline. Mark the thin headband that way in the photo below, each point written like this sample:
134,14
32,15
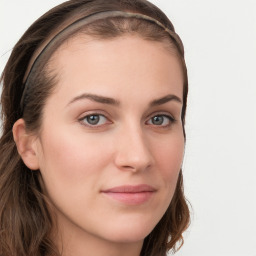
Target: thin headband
71,29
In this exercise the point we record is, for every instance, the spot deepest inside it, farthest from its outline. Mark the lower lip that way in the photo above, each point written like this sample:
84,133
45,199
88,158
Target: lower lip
130,198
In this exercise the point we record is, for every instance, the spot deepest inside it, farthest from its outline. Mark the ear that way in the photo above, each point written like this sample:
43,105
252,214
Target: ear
26,145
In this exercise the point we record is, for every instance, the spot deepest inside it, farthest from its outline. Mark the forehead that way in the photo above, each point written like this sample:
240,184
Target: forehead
83,62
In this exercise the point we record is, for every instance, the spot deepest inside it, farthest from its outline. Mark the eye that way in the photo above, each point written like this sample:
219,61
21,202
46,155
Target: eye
161,120
94,120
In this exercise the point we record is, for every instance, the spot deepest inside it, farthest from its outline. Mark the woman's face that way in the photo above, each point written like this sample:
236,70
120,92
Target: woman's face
111,144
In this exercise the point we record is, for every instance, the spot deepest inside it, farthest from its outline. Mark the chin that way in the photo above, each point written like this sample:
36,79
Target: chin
131,230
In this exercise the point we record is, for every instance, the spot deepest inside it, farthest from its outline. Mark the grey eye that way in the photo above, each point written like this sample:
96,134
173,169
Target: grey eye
94,119
161,120
157,120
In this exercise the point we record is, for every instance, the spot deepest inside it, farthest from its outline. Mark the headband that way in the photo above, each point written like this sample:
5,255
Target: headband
59,37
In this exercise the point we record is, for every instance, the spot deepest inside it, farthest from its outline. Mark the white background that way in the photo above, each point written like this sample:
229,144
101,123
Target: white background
220,160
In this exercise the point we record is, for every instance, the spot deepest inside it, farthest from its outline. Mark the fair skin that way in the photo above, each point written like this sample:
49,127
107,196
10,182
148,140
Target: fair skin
109,123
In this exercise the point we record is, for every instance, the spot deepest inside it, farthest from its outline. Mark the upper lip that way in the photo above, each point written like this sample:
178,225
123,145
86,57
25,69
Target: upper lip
130,189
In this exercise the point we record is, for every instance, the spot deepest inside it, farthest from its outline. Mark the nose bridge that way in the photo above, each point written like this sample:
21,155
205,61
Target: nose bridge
134,148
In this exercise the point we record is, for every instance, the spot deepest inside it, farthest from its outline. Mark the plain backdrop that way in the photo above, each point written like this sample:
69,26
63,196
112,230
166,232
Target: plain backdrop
220,161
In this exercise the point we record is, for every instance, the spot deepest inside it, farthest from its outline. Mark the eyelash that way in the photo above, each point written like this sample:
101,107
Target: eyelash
165,117
85,120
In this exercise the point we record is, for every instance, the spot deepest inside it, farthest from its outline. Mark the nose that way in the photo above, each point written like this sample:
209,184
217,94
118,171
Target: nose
133,151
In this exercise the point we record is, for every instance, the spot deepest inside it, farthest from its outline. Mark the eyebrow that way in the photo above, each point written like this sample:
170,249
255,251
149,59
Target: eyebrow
165,99
96,98
111,101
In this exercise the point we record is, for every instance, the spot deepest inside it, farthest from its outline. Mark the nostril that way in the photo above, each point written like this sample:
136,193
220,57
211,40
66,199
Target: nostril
136,166
133,152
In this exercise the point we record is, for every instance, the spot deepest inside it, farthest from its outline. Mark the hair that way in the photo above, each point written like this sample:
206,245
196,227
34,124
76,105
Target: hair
25,222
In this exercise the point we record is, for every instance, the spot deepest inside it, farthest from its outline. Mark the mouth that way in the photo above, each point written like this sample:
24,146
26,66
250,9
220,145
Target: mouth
131,195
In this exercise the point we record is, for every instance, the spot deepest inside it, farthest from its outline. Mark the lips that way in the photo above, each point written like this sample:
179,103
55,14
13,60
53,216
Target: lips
130,195
131,189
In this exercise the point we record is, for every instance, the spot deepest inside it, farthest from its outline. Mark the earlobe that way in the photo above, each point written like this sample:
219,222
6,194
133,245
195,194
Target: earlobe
26,145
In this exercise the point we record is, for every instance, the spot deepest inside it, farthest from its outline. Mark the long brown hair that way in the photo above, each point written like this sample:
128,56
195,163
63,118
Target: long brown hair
25,221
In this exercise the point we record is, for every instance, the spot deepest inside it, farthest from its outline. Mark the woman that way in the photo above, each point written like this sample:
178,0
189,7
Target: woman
93,108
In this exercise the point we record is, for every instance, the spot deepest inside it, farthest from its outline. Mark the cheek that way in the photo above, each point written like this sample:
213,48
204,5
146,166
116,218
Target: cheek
69,161
169,157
